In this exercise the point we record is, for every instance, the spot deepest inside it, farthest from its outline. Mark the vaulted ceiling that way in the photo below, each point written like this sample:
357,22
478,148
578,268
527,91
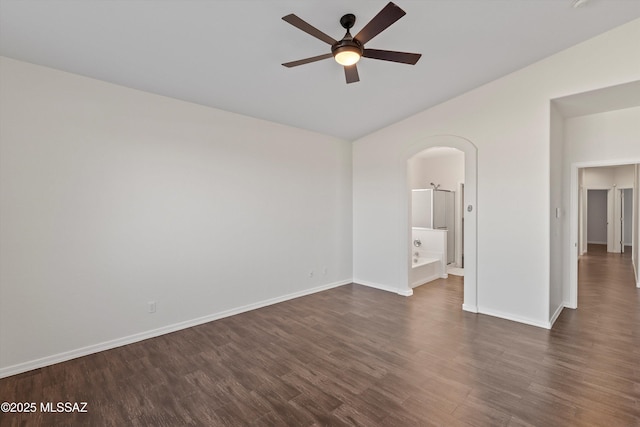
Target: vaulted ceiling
228,54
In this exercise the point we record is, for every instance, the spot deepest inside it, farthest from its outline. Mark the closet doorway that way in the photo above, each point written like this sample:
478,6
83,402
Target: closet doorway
598,218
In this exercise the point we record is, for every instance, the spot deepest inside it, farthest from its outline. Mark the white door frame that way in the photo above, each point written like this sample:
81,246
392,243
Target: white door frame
611,219
460,224
622,218
470,151
626,222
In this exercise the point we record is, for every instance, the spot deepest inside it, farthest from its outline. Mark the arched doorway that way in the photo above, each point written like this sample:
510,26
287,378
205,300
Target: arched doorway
469,209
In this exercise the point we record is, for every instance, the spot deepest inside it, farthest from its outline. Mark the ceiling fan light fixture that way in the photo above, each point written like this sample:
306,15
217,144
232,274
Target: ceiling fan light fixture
347,55
347,51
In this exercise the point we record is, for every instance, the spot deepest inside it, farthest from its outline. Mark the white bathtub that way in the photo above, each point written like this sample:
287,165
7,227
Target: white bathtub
428,255
422,260
425,268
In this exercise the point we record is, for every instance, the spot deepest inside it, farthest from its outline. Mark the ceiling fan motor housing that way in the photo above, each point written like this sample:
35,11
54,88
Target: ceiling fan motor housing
347,45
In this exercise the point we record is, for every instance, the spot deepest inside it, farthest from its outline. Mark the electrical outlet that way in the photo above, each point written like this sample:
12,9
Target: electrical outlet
311,274
151,307
324,271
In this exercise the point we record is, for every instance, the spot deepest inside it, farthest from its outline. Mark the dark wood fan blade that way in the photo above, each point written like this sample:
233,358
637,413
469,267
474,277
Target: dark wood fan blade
391,55
307,60
309,29
383,20
351,73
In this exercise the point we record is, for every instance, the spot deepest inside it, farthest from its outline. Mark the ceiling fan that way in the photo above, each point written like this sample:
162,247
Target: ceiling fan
348,51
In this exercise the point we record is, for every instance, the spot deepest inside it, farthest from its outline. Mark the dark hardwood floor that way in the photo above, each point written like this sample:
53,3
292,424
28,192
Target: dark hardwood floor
359,356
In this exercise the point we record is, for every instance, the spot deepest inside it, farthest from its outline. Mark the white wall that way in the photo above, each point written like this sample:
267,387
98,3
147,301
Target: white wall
447,170
612,135
599,177
635,253
508,121
623,175
112,197
606,177
556,135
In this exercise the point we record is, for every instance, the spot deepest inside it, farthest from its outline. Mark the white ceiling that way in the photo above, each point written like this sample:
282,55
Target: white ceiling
438,152
227,54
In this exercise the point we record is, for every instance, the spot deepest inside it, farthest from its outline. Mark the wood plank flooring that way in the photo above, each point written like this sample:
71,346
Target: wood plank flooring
359,356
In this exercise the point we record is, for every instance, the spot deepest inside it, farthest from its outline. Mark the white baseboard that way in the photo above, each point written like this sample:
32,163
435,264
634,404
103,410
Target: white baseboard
470,308
596,243
519,319
119,342
555,315
403,292
425,280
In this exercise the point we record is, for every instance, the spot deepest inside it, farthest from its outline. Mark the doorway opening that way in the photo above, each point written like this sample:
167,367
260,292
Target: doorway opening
598,217
441,217
435,177
605,208
606,212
